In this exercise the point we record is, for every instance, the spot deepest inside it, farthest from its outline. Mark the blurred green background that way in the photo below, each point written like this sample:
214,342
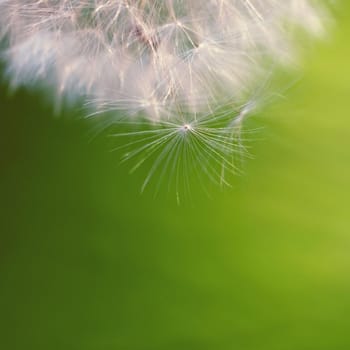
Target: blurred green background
86,262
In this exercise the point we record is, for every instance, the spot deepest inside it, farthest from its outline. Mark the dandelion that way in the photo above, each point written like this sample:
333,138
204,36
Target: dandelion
186,72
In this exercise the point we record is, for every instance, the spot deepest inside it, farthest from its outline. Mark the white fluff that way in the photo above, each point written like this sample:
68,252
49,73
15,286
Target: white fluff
176,61
153,57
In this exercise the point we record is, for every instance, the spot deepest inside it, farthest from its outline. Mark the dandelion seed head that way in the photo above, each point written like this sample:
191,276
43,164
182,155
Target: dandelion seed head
164,61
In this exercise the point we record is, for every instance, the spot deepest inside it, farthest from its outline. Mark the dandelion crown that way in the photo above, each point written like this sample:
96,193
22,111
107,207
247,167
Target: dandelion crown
183,71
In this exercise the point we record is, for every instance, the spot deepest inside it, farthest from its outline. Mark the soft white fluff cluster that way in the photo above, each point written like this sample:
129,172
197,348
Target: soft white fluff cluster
152,57
172,62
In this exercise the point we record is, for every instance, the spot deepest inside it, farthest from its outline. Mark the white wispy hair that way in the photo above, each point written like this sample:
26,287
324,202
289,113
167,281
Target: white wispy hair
166,61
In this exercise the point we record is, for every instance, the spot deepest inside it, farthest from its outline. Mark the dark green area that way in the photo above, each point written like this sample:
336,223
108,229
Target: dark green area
86,262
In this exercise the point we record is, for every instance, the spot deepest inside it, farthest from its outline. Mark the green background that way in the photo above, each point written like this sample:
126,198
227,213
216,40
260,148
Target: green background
86,262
